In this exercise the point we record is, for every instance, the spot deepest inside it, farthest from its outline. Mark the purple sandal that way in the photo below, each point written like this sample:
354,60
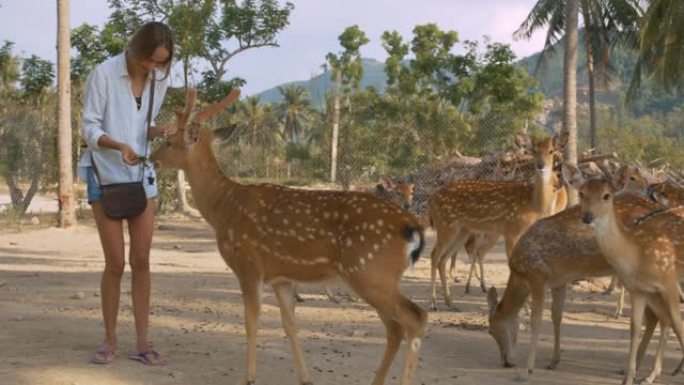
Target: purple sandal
102,356
144,357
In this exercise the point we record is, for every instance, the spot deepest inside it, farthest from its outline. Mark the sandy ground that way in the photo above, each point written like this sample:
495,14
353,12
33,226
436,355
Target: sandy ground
50,322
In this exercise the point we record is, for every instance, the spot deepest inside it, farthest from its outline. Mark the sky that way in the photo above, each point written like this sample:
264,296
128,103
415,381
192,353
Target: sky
312,33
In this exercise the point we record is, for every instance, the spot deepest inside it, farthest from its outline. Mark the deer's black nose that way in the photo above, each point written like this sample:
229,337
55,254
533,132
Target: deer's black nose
587,218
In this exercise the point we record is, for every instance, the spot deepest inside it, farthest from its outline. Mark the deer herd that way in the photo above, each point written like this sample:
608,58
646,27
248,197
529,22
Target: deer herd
627,225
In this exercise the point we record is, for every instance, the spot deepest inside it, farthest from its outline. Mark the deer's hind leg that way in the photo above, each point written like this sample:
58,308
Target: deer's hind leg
448,241
251,287
401,317
284,292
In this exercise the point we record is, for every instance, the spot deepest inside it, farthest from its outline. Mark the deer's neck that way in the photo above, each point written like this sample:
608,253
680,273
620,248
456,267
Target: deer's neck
210,186
513,297
615,243
542,192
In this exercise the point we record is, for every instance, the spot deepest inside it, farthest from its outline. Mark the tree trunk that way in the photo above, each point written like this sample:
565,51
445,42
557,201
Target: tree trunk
182,204
67,204
336,126
591,76
570,87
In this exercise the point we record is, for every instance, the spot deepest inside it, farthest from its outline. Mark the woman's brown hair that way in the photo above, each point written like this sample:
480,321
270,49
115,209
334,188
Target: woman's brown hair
147,39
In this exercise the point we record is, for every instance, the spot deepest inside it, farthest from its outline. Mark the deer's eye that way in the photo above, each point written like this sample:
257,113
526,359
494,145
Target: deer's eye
632,178
606,196
581,196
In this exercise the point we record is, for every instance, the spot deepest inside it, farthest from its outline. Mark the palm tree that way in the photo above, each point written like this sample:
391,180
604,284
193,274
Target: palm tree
294,111
254,115
661,46
67,207
606,23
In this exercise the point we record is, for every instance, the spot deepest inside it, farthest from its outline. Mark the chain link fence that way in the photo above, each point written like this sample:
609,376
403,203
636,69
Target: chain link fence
28,161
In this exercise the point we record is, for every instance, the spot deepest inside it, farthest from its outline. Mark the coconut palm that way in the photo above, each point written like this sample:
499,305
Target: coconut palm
661,46
606,23
294,111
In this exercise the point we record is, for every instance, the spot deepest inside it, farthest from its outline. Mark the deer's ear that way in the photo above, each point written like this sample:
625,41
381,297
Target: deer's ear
573,176
191,133
222,134
619,180
560,141
659,176
386,183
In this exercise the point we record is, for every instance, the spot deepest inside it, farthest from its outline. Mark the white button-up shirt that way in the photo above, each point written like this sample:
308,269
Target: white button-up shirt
110,108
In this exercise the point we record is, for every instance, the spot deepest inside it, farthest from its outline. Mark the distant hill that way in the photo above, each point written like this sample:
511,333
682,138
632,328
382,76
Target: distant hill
550,77
373,75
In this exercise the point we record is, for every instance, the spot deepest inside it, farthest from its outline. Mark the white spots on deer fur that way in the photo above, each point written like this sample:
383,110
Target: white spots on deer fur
345,217
362,261
415,344
376,247
370,256
285,221
326,215
231,235
359,210
348,242
362,238
321,260
381,222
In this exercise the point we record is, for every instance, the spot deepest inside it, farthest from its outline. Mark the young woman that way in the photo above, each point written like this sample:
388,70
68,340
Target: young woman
114,126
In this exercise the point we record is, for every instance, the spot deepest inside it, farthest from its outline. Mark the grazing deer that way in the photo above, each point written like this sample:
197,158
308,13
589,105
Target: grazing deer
506,208
554,252
647,255
272,234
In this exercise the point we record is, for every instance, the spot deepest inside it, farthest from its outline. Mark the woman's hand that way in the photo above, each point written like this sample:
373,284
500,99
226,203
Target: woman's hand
128,155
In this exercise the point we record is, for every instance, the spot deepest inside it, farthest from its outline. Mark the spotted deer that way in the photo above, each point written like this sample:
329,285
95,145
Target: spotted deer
479,244
276,235
554,252
646,254
507,208
668,193
400,194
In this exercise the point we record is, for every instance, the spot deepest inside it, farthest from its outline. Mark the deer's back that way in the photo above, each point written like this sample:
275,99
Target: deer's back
564,249
474,202
312,234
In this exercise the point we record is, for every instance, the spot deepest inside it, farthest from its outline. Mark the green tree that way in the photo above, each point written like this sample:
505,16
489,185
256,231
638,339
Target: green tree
347,72
26,132
661,46
607,23
294,112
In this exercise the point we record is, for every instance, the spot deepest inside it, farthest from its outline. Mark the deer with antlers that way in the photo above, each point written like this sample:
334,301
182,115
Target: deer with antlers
277,235
507,208
646,254
554,252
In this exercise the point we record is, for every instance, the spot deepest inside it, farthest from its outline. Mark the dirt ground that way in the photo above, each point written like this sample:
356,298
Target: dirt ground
50,322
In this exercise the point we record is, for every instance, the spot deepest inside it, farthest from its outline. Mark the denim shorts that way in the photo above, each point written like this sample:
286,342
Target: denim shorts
95,194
